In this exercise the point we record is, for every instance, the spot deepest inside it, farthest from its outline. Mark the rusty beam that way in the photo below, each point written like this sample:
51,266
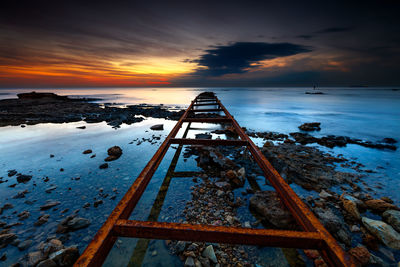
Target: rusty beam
218,234
315,235
208,142
333,253
97,250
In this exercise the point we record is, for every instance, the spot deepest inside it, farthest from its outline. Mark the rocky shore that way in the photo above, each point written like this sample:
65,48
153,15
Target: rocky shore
366,227
33,108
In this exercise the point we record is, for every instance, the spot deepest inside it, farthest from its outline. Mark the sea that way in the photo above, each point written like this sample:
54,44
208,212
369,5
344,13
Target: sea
369,114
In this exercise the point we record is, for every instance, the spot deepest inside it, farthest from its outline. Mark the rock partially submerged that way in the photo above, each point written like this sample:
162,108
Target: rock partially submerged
332,141
6,239
23,178
49,205
113,153
311,126
306,166
272,210
157,127
392,217
383,232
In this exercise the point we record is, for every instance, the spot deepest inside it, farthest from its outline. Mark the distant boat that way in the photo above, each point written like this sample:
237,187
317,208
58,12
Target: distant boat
314,92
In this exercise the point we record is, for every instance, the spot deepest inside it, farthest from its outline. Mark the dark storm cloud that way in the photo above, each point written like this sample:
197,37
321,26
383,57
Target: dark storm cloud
239,57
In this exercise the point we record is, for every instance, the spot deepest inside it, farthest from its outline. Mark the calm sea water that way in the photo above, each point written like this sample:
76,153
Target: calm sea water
369,114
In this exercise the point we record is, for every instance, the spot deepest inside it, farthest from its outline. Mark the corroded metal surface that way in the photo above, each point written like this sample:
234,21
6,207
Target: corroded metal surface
314,236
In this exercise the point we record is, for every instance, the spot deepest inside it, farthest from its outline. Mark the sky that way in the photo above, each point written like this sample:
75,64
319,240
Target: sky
199,43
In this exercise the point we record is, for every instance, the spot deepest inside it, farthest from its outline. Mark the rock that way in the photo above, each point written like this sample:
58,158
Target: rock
379,205
203,136
351,207
324,194
81,127
376,261
311,126
51,188
3,257
383,232
34,258
209,253
11,173
24,245
49,205
235,178
114,153
61,169
157,127
22,178
361,255
21,194
387,199
103,166
42,219
334,224
47,263
205,262
97,203
23,215
93,156
180,246
6,239
389,140
189,262
65,257
78,223
392,217
87,151
223,185
271,208
51,156
52,246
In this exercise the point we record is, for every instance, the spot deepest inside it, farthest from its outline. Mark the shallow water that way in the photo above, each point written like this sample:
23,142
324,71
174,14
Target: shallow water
369,114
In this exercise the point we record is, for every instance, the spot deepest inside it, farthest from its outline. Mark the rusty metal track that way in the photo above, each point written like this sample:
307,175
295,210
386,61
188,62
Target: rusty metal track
313,236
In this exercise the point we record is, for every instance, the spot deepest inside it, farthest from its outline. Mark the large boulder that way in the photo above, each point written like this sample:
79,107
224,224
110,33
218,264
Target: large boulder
334,223
78,223
383,232
65,257
392,217
268,205
350,205
379,205
113,153
360,255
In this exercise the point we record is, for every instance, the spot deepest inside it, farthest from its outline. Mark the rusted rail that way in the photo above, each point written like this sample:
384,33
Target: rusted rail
313,236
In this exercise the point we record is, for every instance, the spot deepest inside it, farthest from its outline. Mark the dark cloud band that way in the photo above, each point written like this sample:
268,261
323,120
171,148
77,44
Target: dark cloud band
241,56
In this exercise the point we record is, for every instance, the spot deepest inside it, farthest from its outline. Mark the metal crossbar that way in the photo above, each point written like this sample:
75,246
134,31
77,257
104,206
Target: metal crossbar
313,236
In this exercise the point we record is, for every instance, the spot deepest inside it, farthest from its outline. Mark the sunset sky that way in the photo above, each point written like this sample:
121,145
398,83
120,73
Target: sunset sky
199,43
